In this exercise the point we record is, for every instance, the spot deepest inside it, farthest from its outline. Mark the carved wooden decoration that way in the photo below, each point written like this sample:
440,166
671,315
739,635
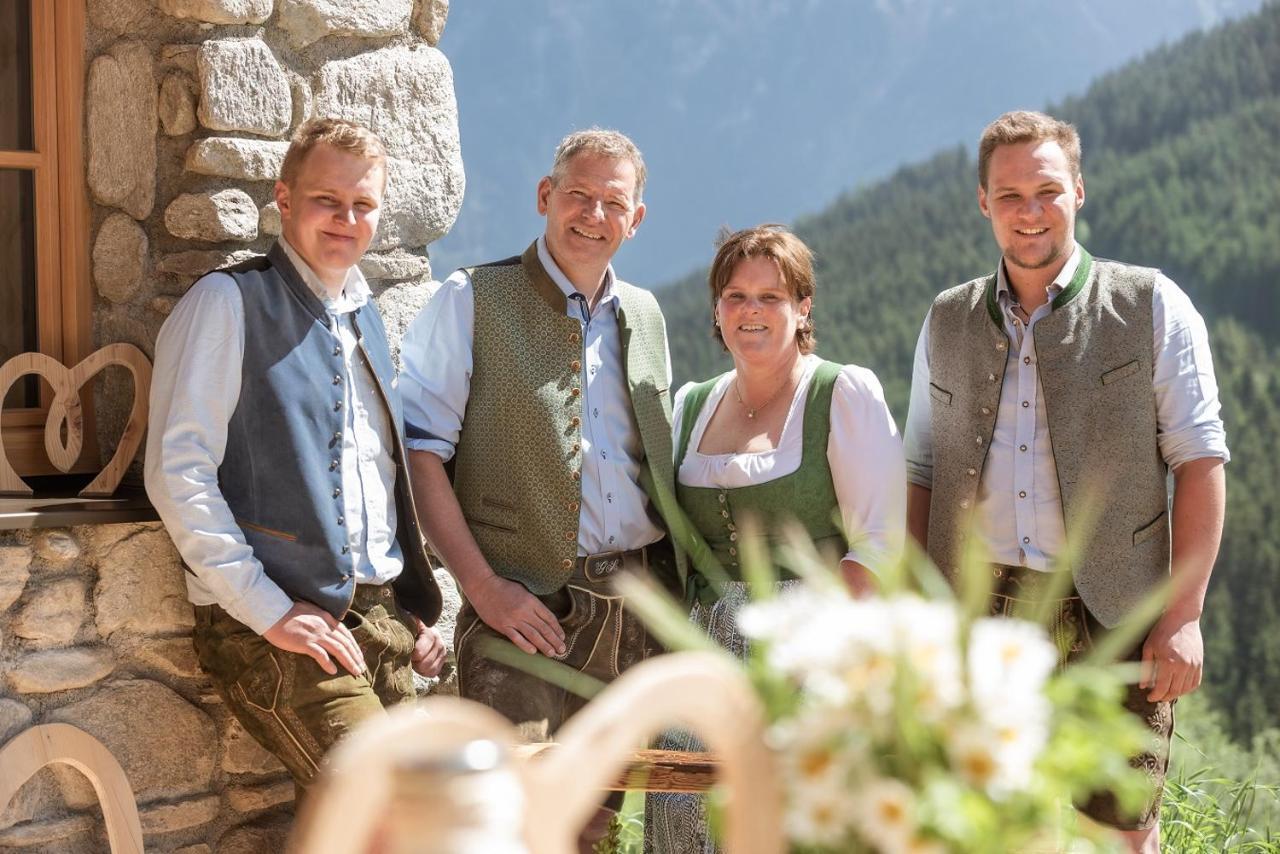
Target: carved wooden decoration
66,413
33,749
705,693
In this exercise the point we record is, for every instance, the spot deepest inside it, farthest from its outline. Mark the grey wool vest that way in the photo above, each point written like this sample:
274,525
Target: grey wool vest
1094,357
517,471
281,474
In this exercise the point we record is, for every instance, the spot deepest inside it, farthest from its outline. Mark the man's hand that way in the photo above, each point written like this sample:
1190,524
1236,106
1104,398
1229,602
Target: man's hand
308,630
507,607
1172,658
428,650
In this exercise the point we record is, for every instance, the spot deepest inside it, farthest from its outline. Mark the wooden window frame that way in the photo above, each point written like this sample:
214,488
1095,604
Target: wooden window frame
64,297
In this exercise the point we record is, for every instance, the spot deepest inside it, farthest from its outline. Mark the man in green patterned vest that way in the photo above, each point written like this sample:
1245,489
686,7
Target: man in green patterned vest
1055,396
544,379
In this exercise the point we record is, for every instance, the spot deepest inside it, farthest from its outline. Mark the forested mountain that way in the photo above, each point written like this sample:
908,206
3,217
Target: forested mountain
1182,171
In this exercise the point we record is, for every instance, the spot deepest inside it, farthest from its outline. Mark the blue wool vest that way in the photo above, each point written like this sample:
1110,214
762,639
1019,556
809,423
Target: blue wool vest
281,474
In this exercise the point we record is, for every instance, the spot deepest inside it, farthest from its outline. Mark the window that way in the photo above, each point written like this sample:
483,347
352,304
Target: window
45,299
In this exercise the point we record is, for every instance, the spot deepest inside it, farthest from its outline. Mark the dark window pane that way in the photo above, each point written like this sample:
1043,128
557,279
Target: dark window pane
15,75
18,277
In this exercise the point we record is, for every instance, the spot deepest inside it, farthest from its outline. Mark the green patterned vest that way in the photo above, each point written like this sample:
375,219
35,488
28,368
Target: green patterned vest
517,471
1094,358
807,495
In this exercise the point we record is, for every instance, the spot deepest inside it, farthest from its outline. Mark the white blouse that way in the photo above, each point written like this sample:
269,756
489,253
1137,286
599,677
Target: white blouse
864,452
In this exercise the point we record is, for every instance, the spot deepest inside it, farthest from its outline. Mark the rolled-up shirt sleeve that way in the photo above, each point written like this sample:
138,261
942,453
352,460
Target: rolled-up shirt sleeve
435,373
195,388
864,451
1188,414
918,435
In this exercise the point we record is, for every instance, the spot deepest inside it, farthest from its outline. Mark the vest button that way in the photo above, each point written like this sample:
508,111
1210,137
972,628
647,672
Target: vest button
577,475
574,337
566,564
986,410
1000,345
575,365
991,378
573,506
570,536
733,537
732,550
972,472
977,440
964,504
575,391
576,447
575,421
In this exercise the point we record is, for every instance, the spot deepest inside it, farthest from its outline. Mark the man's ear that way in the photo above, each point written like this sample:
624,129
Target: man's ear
982,202
1079,192
544,195
282,198
636,220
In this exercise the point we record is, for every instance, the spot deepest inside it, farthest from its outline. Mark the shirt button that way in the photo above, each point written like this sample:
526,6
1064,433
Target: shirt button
1026,539
342,520
345,548
1022,493
337,349
333,465
337,436
1025,404
337,379
972,472
566,564
337,406
575,365
337,491
1026,360
1022,447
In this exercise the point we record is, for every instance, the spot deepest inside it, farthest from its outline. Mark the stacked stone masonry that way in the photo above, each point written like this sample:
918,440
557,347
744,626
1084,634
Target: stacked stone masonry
189,105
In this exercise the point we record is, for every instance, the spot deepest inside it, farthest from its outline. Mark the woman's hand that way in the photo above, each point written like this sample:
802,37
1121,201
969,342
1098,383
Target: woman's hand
861,581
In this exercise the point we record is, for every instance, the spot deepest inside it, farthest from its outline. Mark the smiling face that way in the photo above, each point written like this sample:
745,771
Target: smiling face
757,313
1031,198
329,212
591,208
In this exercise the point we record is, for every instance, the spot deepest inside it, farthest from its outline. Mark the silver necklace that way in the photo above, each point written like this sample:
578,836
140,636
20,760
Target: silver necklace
752,410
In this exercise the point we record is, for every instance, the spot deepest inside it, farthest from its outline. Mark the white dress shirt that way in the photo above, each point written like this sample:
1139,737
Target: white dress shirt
864,453
1019,503
195,388
435,383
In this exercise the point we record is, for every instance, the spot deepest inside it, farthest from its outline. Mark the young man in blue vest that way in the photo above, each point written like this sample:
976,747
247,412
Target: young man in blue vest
1060,392
276,460
544,380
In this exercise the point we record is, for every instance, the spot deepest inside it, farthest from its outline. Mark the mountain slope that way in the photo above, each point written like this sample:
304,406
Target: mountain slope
1182,171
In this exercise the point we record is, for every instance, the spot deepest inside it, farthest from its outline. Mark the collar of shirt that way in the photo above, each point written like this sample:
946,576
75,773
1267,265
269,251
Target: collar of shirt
607,295
355,290
1005,296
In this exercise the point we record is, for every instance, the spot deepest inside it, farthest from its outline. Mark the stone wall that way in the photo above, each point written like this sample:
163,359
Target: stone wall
189,105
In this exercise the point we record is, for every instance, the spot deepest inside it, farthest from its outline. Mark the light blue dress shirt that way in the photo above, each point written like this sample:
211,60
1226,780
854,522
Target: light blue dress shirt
435,383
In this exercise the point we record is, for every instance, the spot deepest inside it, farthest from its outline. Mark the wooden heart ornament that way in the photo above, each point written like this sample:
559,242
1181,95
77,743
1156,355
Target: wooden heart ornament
66,413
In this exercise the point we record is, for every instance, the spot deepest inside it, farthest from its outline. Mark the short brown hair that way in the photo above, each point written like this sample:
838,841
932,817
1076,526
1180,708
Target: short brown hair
1027,126
343,135
793,259
604,142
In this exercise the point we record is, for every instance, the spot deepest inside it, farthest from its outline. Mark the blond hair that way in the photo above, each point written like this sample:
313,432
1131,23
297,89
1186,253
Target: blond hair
341,134
602,142
1027,126
793,259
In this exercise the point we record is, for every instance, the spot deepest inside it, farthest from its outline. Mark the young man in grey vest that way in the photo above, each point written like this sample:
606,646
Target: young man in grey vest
544,380
1060,391
276,460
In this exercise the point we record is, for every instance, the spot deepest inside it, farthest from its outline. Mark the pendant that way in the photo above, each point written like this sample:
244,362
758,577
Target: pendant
751,413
